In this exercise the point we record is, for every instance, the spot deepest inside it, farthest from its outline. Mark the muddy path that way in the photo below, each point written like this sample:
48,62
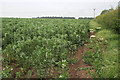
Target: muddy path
73,72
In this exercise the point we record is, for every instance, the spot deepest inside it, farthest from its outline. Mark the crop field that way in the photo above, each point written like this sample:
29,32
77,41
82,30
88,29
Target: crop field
59,48
59,39
38,45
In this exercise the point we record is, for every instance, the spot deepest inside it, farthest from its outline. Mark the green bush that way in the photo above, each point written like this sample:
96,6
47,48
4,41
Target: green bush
109,20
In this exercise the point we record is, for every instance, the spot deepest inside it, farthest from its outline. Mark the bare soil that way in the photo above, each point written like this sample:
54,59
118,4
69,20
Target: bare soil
73,72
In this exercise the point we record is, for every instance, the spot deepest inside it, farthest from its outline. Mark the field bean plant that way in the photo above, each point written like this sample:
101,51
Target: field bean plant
36,46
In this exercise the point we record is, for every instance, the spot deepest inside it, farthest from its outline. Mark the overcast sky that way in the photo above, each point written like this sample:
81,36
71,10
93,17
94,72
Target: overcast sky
34,8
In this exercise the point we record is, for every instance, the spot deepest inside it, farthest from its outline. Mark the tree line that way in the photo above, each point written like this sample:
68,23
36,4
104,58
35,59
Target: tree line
65,17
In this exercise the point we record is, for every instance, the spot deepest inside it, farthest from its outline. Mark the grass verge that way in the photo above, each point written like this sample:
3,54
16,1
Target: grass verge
109,68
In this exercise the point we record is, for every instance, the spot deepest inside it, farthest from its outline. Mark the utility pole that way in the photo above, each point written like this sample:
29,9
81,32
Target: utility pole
119,4
94,12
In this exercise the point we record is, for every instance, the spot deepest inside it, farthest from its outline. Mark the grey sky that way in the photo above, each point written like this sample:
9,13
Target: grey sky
34,8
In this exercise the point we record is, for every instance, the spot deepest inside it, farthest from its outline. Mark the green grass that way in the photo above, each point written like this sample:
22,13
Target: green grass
107,35
110,59
94,25
108,32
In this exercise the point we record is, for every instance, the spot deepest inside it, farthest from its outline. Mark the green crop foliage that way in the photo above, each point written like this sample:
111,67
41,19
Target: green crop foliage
41,44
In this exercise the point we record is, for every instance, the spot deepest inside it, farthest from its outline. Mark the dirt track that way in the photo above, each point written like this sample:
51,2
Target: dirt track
73,72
